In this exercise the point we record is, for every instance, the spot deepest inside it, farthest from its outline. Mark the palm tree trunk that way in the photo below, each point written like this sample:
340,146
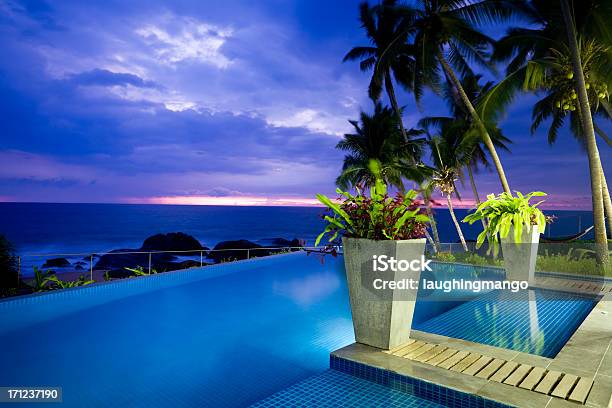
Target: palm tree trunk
432,222
452,214
606,200
393,99
475,191
481,127
431,241
601,244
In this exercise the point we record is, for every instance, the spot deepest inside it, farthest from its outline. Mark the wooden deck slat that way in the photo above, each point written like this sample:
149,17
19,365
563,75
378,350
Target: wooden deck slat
431,353
466,362
538,379
549,381
409,348
533,378
518,375
417,352
565,386
477,365
400,347
454,359
504,372
490,369
581,390
445,355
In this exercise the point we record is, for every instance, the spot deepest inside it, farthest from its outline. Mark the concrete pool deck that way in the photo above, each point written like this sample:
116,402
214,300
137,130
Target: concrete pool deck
584,363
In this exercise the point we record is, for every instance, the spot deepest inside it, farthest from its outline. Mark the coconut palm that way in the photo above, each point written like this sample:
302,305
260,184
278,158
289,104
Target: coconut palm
449,157
528,50
554,79
388,57
426,189
595,166
471,141
378,136
446,40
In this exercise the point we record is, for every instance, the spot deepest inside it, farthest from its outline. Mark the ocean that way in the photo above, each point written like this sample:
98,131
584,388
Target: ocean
87,228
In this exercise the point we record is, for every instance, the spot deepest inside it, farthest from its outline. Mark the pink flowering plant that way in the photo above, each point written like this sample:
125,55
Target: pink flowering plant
377,216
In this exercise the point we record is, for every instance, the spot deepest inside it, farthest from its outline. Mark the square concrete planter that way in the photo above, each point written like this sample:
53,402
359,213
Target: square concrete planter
520,259
381,317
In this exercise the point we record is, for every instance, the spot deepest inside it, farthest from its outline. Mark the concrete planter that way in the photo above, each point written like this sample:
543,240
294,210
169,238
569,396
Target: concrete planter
381,317
520,259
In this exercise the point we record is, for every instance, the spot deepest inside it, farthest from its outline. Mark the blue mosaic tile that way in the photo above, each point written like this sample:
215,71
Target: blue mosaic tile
424,390
337,389
536,321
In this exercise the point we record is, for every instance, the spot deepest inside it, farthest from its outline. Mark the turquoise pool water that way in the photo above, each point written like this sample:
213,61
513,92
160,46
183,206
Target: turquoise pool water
224,336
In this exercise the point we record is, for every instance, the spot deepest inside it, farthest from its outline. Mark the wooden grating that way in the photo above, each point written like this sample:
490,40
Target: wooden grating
525,376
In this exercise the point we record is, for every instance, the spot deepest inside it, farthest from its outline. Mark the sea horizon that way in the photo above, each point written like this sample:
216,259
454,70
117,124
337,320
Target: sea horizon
37,227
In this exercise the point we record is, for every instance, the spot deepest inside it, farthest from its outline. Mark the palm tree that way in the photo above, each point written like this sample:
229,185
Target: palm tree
378,137
461,120
554,78
595,166
426,189
388,56
449,157
445,35
529,52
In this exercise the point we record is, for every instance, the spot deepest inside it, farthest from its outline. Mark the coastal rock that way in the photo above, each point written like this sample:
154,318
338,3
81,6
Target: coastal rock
122,258
173,241
281,243
56,263
233,250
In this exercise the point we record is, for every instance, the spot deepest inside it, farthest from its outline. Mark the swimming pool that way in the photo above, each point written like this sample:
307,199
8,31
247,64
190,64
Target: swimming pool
223,336
226,335
535,321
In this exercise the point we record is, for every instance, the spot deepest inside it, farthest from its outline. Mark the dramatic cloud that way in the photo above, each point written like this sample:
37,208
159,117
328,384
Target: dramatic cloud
228,102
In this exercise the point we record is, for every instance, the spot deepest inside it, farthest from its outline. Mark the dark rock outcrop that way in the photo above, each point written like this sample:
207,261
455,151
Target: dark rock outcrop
125,258
56,263
117,260
172,241
233,250
280,243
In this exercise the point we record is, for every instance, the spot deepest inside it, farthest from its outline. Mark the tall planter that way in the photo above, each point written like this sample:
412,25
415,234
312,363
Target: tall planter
520,259
382,318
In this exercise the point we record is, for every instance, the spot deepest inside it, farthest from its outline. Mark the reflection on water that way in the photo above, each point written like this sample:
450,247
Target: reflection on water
309,289
534,321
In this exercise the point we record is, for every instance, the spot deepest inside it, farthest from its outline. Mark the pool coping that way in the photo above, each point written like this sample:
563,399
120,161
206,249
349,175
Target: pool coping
588,353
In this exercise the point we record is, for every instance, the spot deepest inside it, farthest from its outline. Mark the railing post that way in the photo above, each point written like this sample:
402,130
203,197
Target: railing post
149,263
18,270
201,258
248,253
91,267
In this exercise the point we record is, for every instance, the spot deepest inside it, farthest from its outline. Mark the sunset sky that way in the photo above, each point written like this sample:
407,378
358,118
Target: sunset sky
209,102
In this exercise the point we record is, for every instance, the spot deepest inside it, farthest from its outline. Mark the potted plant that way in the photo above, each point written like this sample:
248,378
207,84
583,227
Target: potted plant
376,229
518,224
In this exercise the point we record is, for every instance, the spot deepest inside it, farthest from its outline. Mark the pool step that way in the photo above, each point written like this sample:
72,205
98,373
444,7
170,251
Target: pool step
525,376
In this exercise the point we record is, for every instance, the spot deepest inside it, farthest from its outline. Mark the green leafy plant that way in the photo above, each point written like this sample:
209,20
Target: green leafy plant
139,271
39,283
504,211
56,283
445,257
576,261
377,216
